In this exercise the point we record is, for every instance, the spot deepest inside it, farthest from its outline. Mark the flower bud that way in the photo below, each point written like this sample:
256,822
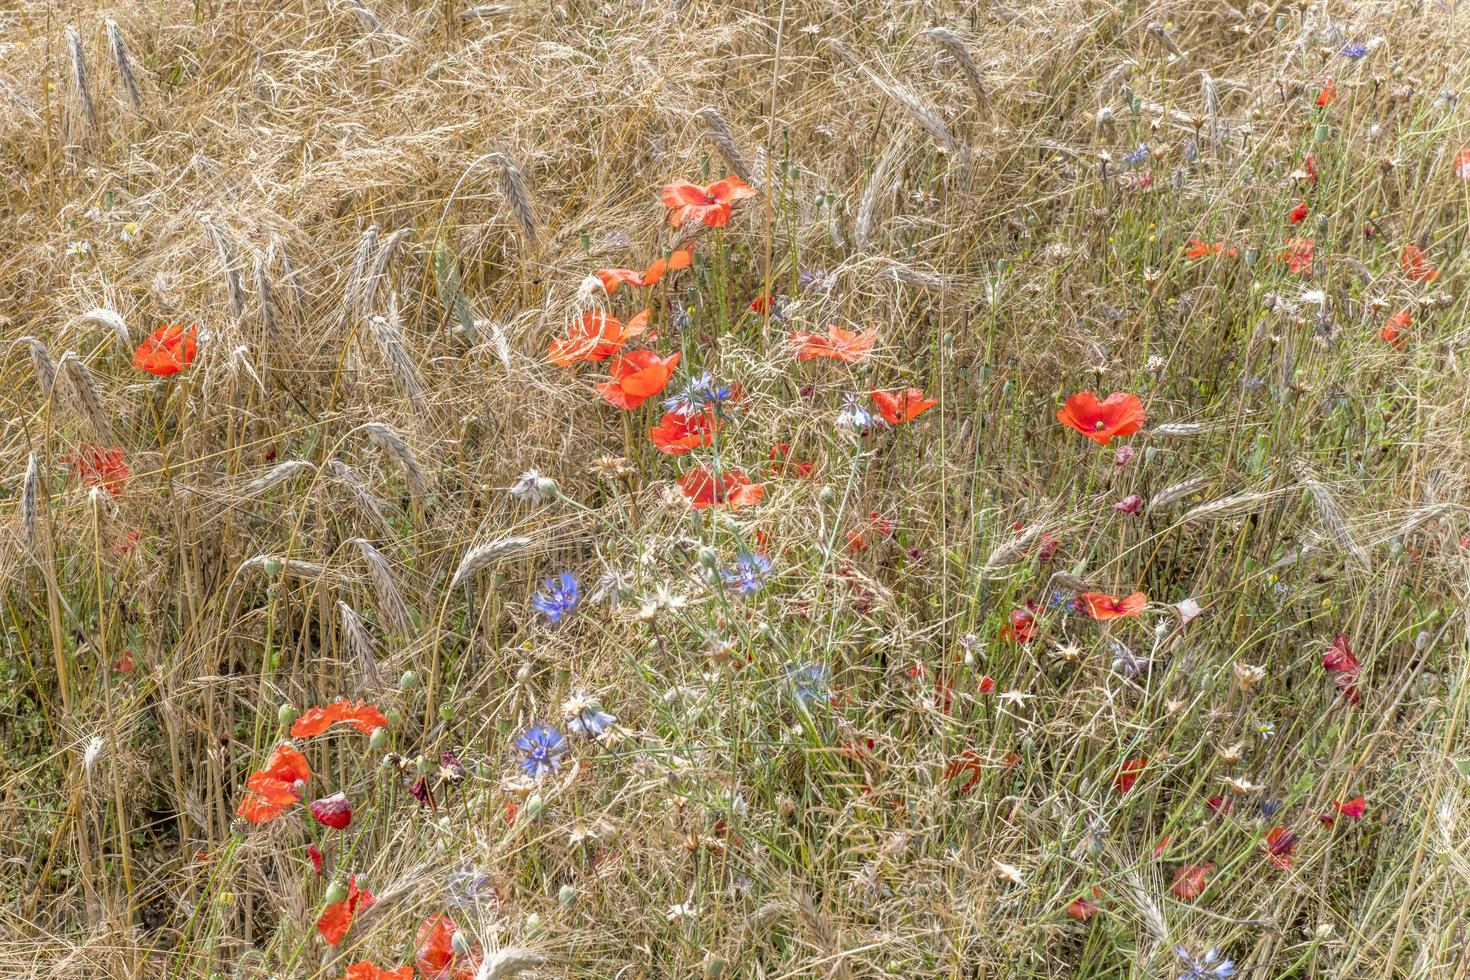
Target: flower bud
567,896
378,740
408,681
286,714
336,892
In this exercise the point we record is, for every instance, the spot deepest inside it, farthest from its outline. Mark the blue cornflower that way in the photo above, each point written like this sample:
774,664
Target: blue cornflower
854,416
1136,157
1269,807
1354,50
748,573
807,683
1211,966
559,599
585,716
543,746
691,398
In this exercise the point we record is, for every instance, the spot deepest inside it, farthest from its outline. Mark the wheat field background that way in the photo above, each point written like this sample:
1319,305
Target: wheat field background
729,666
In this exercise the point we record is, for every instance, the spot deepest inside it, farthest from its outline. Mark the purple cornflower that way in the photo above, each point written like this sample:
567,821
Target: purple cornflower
699,391
1211,966
1354,50
855,417
748,573
559,599
543,746
585,716
1136,157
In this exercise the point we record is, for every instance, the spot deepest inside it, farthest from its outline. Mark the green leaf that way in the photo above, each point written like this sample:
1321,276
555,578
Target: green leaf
451,288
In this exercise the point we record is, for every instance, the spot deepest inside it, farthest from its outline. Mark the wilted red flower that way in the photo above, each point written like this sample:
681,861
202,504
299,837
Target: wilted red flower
595,336
436,958
1197,249
1220,804
677,433
731,488
359,714
1119,414
1280,842
1298,254
1190,879
710,205
762,305
902,406
1311,167
1354,807
1327,93
1339,657
1020,627
1083,909
1100,605
967,762
333,811
124,661
168,350
1129,772
1132,504
637,377
784,462
1395,327
1298,214
99,467
315,853
837,344
336,919
1416,266
987,684
367,970
271,791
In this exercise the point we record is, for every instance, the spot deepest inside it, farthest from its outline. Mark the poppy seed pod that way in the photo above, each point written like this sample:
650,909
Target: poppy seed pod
408,681
286,714
378,741
336,892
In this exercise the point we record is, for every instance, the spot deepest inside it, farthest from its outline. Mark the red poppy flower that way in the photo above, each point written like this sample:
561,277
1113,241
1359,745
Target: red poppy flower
1339,657
99,467
637,377
124,661
613,278
706,488
315,853
436,958
836,344
710,205
1354,807
1160,848
784,463
1220,804
1298,254
1020,628
1119,414
968,763
1100,605
271,791
359,714
1129,772
678,433
1130,505
596,336
1311,167
1395,327
902,406
336,919
679,259
168,350
1416,266
1197,249
762,305
987,684
367,970
1280,842
1190,879
1083,909
1298,214
333,811
1328,93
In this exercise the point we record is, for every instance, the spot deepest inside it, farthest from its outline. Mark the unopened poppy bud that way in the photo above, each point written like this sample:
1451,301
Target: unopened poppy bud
408,681
534,806
286,714
533,924
423,765
523,674
547,487
336,892
709,557
567,896
378,740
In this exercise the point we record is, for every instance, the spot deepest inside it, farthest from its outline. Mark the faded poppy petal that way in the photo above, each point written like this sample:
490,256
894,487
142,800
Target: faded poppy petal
168,350
1415,266
359,714
1128,773
595,336
837,344
1120,414
367,970
613,278
1339,657
1395,327
1190,880
967,763
1100,605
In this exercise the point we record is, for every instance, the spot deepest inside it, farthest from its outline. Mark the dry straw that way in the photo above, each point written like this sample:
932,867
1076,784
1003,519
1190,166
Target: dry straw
395,355
41,363
718,133
358,642
960,52
30,504
517,196
277,475
265,295
229,265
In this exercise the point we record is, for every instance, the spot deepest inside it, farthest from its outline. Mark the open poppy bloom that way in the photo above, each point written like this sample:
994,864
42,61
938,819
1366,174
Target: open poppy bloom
1416,266
613,278
1197,249
1119,414
336,919
1280,842
837,344
1129,772
168,350
785,463
596,336
99,467
1020,627
1327,93
967,763
1354,807
707,488
333,811
1298,254
677,433
709,205
271,791
637,377
1298,214
902,406
1190,880
436,957
1395,327
368,970
359,714
1083,909
1100,605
